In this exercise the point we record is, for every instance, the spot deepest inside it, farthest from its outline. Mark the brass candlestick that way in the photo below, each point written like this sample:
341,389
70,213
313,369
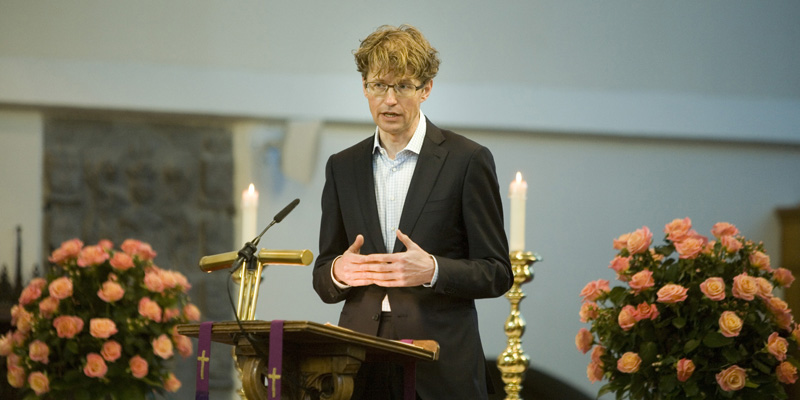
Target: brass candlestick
513,362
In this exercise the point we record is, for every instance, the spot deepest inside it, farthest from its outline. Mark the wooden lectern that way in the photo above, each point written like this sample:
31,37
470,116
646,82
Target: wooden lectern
320,360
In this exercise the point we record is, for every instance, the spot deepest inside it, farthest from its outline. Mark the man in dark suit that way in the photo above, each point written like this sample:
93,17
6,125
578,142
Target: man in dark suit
412,227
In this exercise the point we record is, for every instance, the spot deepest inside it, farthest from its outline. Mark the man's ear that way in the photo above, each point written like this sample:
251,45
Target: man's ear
426,90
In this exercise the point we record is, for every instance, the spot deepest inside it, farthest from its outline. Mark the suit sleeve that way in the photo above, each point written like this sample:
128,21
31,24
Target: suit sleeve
486,271
332,240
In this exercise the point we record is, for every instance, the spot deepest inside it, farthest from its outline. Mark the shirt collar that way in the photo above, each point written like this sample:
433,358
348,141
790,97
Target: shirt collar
414,145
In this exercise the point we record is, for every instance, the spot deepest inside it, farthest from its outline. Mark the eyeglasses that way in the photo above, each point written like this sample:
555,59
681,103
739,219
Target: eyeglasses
400,89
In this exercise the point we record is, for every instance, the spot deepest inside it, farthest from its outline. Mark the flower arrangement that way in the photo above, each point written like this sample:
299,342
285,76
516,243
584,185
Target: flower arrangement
693,319
101,325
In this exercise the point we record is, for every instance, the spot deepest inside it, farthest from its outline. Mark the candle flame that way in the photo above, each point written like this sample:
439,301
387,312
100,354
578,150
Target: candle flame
519,177
251,189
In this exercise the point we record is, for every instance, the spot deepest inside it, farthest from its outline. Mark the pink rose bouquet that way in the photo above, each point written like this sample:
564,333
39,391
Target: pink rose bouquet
101,325
694,318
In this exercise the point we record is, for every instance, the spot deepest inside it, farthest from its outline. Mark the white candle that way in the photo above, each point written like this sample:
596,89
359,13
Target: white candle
517,192
249,213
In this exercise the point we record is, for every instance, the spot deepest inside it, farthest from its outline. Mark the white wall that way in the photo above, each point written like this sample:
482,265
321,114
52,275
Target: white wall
21,166
602,105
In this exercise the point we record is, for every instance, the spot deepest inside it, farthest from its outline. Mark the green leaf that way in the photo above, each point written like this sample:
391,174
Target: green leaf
679,322
648,353
690,345
715,339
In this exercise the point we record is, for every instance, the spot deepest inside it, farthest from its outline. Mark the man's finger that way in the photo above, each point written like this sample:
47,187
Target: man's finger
356,246
406,240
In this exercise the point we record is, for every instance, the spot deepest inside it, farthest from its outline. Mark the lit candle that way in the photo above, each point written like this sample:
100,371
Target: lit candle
249,213
517,192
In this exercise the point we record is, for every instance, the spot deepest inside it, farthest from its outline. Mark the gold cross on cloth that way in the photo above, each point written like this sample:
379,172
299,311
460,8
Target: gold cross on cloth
274,377
203,359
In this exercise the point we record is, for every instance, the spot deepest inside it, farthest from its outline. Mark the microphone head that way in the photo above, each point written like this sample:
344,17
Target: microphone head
286,210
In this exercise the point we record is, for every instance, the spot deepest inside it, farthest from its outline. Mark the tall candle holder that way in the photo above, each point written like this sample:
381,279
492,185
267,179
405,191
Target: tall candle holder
513,362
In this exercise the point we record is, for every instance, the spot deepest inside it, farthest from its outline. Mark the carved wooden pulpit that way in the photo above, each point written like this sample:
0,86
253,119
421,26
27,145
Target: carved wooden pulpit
319,360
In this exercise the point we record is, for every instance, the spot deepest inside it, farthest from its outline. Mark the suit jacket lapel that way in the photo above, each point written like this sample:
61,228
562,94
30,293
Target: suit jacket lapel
431,159
365,196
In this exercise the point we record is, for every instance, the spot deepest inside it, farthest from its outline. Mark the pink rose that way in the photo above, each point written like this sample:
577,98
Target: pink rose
171,313
105,244
629,363
192,313
39,383
597,353
110,291
730,324
713,288
172,384
135,248
68,250
162,346
764,287
685,369
29,294
16,376
95,366
795,334
150,309
92,256
641,280
627,317
783,276
732,378
690,248
153,281
678,229
121,261
68,326
6,344
744,287
24,320
639,241
594,372
671,293
184,345
777,346
584,340
595,289
646,311
621,242
111,351
721,229
588,311
730,243
787,373
60,288
138,367
760,260
620,265
784,320
102,328
48,306
39,351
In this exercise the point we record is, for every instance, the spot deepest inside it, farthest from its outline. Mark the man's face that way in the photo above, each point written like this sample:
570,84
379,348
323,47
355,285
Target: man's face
394,114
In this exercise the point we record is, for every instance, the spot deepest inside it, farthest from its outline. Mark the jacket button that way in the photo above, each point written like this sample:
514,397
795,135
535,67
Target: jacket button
376,317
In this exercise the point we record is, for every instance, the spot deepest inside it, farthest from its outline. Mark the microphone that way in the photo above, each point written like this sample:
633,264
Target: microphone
286,210
248,251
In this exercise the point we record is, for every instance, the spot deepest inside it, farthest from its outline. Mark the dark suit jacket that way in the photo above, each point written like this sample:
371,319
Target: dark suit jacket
453,211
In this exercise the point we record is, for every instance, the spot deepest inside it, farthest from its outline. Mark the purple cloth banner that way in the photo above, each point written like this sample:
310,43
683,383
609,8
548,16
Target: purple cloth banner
409,377
203,360
275,364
